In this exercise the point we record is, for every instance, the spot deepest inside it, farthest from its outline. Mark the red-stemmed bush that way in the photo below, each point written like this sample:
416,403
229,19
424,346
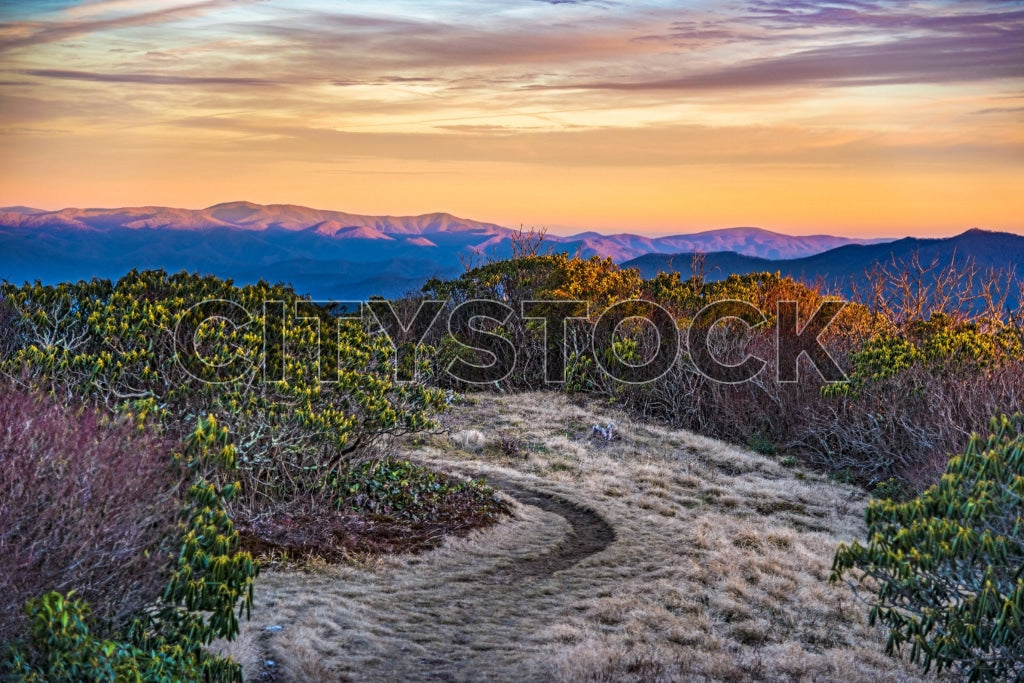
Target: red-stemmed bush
88,504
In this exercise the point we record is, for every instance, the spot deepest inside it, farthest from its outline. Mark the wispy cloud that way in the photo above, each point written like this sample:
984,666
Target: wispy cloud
664,145
916,60
29,33
997,19
869,43
149,79
998,110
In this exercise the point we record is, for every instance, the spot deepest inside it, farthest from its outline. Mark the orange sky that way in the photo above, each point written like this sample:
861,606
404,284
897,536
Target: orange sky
854,117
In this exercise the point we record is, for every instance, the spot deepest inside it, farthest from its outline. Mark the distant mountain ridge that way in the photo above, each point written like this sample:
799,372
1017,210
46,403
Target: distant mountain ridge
847,266
328,254
238,215
747,241
289,217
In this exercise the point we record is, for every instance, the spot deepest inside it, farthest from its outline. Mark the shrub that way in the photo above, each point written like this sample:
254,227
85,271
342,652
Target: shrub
914,395
401,489
596,283
301,389
946,567
760,444
213,577
86,504
67,652
167,639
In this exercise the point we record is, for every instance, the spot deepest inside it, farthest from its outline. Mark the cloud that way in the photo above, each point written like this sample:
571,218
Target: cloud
22,109
888,17
481,43
649,146
914,60
147,78
29,33
768,43
998,110
866,43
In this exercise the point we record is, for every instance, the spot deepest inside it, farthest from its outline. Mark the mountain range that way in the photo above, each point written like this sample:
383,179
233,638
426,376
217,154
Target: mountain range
328,254
849,267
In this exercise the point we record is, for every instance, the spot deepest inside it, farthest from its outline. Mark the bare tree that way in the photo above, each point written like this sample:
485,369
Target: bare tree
904,290
530,242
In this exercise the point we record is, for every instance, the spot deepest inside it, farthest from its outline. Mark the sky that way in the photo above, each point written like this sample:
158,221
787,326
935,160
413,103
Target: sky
867,118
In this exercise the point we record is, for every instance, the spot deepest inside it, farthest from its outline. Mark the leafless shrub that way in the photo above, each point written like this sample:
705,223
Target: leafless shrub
525,242
529,242
904,290
902,425
86,504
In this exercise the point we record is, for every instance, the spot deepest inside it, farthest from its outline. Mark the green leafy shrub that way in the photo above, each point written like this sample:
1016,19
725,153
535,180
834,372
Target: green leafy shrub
579,374
301,389
69,652
401,489
945,568
880,358
212,578
891,488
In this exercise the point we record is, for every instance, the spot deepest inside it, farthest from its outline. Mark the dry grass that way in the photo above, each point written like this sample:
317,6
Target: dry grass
718,571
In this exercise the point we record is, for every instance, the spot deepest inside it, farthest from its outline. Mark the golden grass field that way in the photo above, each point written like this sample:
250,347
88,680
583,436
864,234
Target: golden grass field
717,569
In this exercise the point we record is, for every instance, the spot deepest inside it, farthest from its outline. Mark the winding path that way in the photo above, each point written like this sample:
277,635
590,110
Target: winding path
590,534
463,615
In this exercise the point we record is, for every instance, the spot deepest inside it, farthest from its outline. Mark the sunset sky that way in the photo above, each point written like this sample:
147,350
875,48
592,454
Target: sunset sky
862,118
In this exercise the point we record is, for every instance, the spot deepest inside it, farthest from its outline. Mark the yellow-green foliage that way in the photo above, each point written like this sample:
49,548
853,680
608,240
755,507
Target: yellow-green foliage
943,340
668,289
878,359
71,653
299,388
946,566
555,277
939,345
212,576
596,283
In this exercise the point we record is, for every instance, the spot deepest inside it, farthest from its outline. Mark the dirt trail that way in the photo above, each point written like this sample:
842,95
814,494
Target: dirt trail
660,555
497,609
590,534
452,620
